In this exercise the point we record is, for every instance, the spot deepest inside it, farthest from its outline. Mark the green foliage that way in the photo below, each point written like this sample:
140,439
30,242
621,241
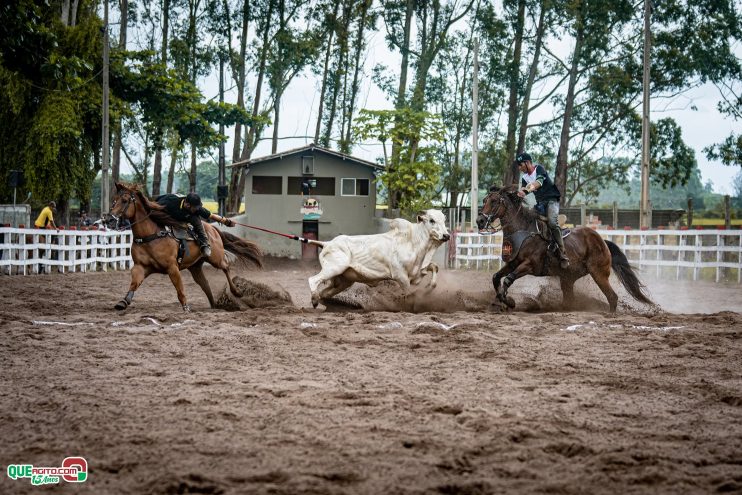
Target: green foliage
728,152
50,97
414,174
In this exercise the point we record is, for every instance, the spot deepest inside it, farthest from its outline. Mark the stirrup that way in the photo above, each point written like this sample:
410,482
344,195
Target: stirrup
206,250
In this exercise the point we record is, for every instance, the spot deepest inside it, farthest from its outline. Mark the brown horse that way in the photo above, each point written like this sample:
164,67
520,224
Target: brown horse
531,254
155,250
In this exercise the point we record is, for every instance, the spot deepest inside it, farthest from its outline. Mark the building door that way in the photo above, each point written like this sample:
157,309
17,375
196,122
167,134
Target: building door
309,230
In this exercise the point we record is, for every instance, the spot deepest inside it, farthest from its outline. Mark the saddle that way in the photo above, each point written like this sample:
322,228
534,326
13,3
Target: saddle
181,234
511,244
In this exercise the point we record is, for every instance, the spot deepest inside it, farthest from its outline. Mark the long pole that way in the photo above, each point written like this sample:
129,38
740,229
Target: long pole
221,197
104,183
474,194
645,214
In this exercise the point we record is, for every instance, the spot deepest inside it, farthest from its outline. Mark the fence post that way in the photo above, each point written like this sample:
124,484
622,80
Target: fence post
696,257
727,213
719,254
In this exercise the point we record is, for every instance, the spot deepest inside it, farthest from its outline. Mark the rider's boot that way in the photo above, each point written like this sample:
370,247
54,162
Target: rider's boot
201,238
556,233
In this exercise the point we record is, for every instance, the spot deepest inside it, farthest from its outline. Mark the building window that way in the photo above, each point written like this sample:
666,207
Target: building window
318,186
354,187
264,184
307,165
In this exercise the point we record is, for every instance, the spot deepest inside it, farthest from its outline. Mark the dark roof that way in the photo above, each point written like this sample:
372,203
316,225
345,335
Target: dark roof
309,147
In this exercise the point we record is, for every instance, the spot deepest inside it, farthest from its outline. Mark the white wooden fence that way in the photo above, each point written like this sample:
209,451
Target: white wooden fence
683,253
26,251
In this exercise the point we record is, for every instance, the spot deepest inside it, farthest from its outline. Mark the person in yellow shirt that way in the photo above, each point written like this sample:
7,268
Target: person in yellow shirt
46,217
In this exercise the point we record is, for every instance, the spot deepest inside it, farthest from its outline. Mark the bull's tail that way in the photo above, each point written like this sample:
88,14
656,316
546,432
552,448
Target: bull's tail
626,275
246,251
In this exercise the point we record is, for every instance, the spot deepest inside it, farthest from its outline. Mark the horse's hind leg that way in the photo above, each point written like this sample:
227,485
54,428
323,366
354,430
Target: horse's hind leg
174,273
138,274
197,271
601,276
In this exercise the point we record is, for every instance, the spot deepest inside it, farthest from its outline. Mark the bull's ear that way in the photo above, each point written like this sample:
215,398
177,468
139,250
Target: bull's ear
420,217
494,188
119,186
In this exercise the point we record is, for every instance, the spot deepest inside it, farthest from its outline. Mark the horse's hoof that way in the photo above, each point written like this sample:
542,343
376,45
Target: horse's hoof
121,305
236,293
186,308
510,302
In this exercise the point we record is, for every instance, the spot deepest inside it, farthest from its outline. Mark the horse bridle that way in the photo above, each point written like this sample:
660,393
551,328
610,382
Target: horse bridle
492,216
132,200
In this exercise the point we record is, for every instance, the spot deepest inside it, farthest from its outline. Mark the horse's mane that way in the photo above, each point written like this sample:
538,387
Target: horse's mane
155,210
517,206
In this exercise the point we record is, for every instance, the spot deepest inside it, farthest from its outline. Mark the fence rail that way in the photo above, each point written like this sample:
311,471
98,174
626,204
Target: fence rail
26,251
687,253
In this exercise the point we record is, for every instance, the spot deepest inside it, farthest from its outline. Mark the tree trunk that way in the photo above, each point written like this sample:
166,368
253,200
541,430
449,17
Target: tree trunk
340,70
276,115
237,182
279,81
325,74
73,13
192,175
401,94
65,12
241,81
511,170
357,61
531,77
116,152
157,172
560,175
171,172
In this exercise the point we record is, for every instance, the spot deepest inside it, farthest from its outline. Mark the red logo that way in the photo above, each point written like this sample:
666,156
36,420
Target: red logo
507,250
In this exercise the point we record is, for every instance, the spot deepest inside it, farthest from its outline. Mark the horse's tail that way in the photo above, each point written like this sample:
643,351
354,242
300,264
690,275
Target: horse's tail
245,251
626,275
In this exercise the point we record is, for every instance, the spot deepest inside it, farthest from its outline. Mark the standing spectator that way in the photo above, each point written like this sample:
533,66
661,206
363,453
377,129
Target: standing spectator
46,217
306,187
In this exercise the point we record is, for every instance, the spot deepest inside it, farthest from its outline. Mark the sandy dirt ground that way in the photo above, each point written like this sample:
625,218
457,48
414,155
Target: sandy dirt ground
448,396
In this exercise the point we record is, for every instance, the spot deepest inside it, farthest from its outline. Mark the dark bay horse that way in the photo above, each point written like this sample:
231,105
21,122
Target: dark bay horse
154,251
530,253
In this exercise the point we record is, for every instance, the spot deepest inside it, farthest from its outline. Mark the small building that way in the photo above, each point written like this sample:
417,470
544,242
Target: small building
313,192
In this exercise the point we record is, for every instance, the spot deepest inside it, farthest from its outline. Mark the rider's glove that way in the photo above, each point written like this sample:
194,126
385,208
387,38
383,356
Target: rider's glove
228,222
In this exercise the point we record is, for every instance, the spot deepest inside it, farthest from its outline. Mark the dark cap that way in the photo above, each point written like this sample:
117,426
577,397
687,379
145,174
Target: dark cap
52,204
523,157
193,199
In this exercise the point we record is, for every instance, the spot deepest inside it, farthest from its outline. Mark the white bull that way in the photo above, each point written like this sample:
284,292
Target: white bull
402,254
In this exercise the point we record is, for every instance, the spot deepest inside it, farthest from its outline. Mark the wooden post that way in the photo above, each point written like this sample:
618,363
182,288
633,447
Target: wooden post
690,212
583,212
727,213
615,215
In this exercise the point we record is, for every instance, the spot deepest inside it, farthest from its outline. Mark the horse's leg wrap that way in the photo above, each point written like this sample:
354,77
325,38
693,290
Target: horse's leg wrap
126,301
508,281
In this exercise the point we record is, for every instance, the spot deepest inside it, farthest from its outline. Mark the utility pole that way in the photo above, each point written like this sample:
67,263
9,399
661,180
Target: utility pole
645,213
221,190
104,183
474,194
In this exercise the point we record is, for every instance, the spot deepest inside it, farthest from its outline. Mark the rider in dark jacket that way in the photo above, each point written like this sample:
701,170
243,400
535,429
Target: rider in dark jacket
535,179
189,209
